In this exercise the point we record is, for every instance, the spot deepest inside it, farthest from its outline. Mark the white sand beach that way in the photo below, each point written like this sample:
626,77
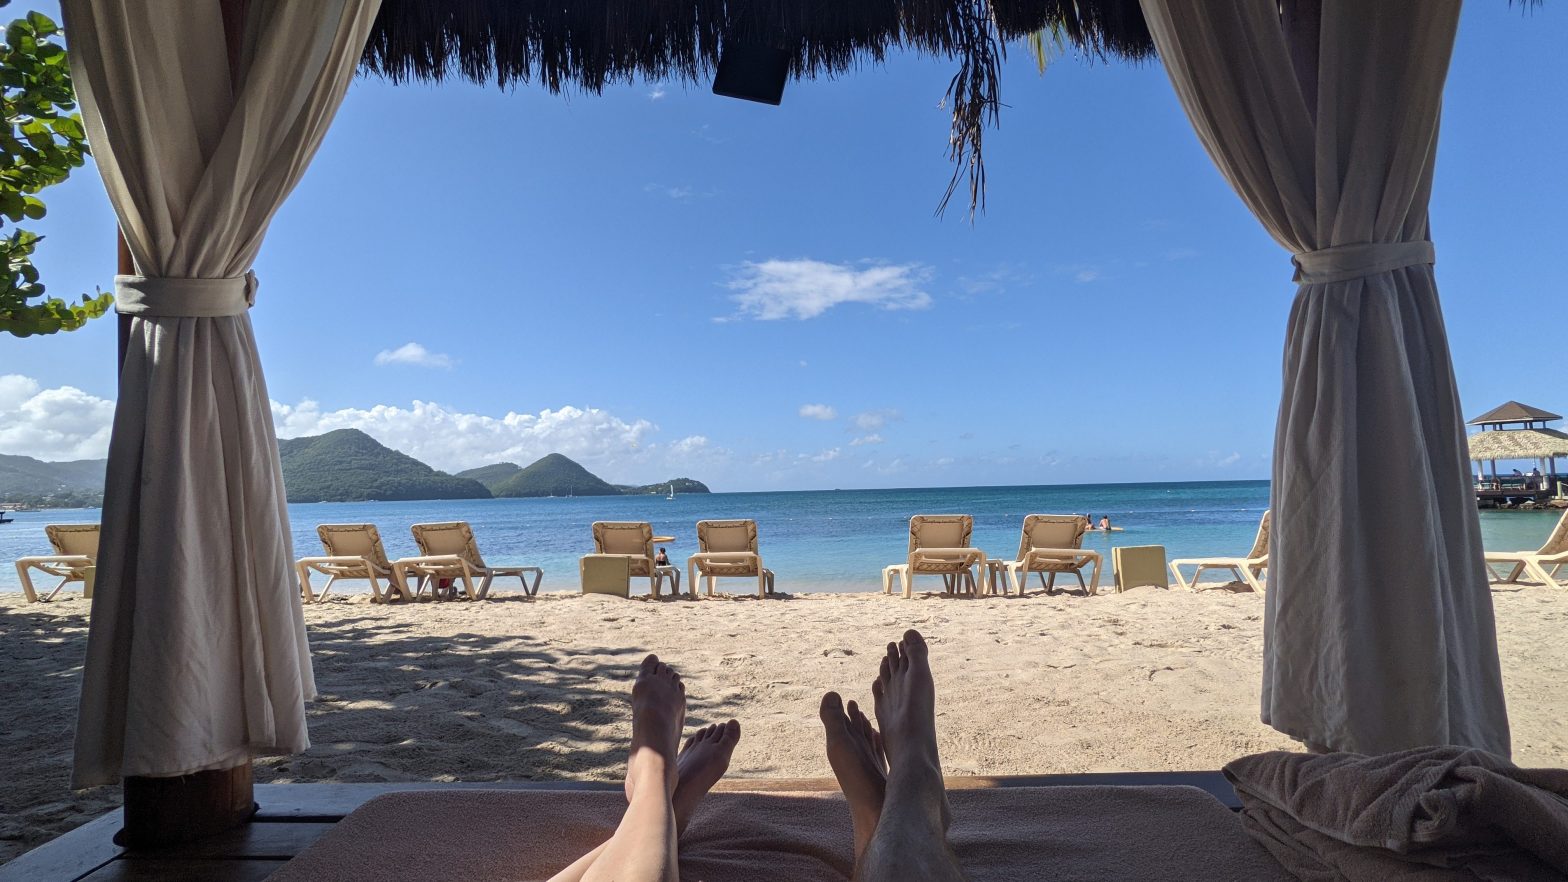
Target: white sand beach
536,689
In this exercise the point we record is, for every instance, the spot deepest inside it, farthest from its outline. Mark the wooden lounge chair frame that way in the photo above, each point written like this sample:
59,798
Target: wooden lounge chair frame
1249,569
939,546
354,551
447,550
1049,546
727,549
75,550
634,540
1542,565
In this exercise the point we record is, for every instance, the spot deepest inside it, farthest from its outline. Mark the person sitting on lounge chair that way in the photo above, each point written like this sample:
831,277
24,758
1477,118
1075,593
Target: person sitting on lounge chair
890,774
662,559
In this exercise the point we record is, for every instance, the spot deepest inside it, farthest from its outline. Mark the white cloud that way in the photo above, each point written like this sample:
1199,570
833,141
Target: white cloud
826,455
818,412
871,420
1086,275
679,194
414,354
453,440
52,424
657,93
866,439
803,289
1234,458
690,444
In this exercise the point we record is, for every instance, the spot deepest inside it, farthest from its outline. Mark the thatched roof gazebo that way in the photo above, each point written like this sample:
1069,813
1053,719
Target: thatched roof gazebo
1514,431
1321,114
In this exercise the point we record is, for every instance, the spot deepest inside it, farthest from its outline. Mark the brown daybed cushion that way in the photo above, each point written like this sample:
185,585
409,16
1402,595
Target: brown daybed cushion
1025,833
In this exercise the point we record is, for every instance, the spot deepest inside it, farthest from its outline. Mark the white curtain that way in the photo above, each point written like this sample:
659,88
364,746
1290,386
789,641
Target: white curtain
197,657
1378,628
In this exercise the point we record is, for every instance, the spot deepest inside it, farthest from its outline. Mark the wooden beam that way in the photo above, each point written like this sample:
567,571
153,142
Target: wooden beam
167,811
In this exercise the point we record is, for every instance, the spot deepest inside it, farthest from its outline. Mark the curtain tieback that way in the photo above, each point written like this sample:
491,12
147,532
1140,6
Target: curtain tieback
1345,262
152,297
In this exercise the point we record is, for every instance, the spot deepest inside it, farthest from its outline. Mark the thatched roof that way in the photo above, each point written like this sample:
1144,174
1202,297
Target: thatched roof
1514,412
590,44
1518,444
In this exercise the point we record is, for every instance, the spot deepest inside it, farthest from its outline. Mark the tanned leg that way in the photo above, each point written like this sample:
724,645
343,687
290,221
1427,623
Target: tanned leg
643,846
910,840
855,753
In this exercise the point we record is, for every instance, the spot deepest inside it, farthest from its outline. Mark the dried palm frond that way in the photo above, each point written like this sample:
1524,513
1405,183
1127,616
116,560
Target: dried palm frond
592,43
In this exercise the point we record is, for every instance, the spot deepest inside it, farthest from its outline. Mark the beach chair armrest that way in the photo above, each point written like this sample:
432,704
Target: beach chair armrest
724,557
433,562
59,560
339,560
961,558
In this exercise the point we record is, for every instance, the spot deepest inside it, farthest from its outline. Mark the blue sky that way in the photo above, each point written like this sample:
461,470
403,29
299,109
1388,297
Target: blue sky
661,282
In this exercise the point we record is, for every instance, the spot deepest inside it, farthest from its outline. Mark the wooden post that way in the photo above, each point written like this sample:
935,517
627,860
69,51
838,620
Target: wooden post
167,811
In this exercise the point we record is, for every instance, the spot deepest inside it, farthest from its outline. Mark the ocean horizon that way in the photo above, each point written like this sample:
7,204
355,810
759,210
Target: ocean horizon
814,540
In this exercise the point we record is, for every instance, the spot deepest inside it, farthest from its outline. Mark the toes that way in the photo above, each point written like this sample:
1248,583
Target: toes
876,691
730,732
886,670
915,645
832,709
650,666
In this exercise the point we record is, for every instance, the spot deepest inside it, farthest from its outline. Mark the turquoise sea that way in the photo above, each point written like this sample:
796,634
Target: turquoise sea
817,540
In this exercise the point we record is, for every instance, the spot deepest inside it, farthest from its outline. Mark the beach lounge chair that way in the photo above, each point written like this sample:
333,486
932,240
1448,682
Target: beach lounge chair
727,549
1049,546
75,551
634,539
1541,564
354,551
938,546
1248,569
448,552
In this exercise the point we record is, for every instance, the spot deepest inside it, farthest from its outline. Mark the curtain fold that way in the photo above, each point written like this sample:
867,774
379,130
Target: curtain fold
196,656
1379,632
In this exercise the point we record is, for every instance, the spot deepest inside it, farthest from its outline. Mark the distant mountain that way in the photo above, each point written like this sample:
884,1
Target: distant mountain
35,482
554,475
681,485
492,476
349,466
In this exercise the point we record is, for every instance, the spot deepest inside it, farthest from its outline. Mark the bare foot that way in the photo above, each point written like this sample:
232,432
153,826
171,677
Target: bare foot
658,713
701,764
855,753
905,697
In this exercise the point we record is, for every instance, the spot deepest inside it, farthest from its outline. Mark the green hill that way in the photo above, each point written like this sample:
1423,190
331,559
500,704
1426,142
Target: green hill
349,466
491,475
554,475
681,485
35,482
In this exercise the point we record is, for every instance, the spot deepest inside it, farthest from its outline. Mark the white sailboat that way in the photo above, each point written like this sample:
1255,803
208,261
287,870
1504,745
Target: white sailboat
672,492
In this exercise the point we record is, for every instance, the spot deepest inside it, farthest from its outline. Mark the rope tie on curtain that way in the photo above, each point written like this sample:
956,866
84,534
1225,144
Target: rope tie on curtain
151,297
1345,262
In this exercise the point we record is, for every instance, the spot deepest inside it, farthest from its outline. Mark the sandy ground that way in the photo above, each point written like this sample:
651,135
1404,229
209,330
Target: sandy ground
520,689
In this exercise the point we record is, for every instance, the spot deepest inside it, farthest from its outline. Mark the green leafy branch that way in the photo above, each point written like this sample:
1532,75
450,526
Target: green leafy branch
41,141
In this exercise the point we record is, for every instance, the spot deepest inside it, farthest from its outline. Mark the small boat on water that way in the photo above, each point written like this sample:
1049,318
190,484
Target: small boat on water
672,492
